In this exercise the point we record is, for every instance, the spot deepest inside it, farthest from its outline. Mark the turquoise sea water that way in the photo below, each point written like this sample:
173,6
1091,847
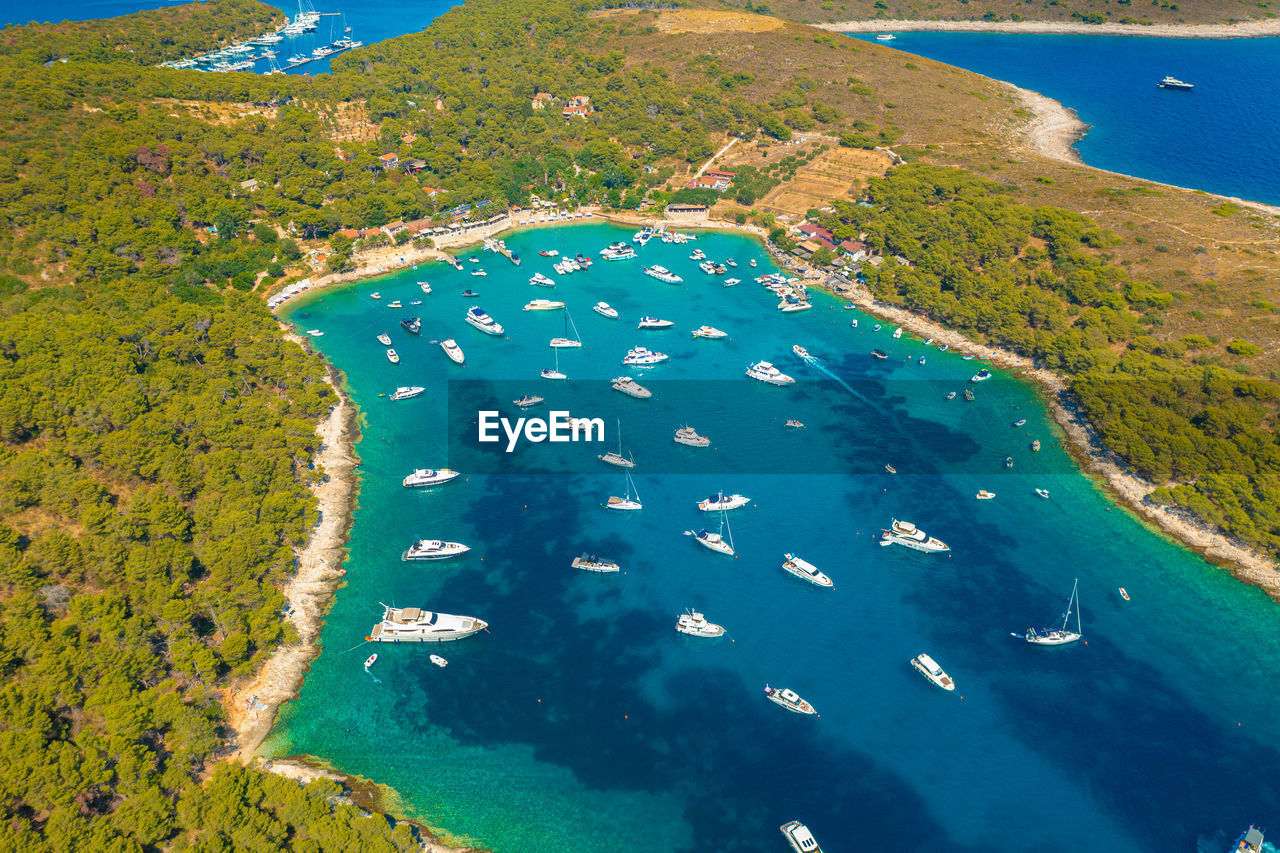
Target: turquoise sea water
583,721
1218,137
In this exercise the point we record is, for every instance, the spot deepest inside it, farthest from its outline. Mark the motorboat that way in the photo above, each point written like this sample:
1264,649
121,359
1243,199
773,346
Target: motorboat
549,253
384,339
716,541
732,282
654,323
527,401
643,236
720,501
584,263
1061,635
694,624
951,395
1035,445
709,332
1020,422
615,457
897,333
405,392
393,356
791,306
984,495
631,388
628,502
689,437
544,305
434,549
788,699
908,535
605,309
415,302
889,469
794,424
589,563
929,668
920,360
540,280
697,255
479,273
395,304
981,376
428,477
799,837
375,295
807,571
412,325
1175,83
315,333
482,321
424,286
451,349
766,372
879,353
886,37
1008,462
438,661
1044,493
643,356
370,660
1124,593
412,625
626,253
662,274
800,351
730,262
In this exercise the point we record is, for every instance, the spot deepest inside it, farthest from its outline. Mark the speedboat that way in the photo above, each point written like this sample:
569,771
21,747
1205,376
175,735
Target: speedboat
730,262
384,339
643,356
1035,445
799,837
1008,462
794,424
951,395
697,255
412,325
428,477
411,625
1044,493
434,549
631,388
482,321
720,501
375,295
654,323
527,401
426,288
541,280
766,372
543,305
605,309
907,534
984,495
395,304
929,668
1124,593
405,392
788,699
625,253
689,437
709,332
879,353
1019,422
1175,83
800,351
439,661
393,356
731,282
315,333
451,349
753,262
694,624
549,253
589,563
897,333
981,376
662,274
370,660
886,37
791,306
890,469
479,273
806,571
583,261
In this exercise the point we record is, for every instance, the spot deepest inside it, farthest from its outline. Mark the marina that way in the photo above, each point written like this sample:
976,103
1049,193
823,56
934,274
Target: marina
266,53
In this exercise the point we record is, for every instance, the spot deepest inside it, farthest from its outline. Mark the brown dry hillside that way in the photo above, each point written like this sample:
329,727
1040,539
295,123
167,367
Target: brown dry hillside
1137,12
1222,260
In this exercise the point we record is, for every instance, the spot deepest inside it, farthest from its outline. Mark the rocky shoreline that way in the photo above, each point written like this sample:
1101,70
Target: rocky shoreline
1243,29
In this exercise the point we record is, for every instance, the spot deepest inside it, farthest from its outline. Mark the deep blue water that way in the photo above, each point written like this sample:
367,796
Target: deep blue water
583,721
1219,137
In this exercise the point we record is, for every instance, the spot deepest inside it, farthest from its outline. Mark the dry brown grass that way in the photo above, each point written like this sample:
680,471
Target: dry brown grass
214,112
709,22
1181,12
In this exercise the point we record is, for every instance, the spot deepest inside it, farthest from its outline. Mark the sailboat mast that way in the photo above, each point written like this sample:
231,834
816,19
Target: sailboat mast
724,525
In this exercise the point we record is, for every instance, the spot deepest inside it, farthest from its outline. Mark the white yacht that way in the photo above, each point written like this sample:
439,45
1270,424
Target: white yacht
981,376
907,534
428,477
716,541
766,372
720,501
800,351
425,287
654,323
805,570
384,339
411,625
788,699
897,333
643,356
589,563
929,668
540,280
791,306
689,437
393,356
697,255
482,321
451,349
1063,635
395,304
799,837
407,391
631,388
709,332
662,274
694,624
434,549
370,660
630,501
526,401
606,309
730,282
625,253
544,305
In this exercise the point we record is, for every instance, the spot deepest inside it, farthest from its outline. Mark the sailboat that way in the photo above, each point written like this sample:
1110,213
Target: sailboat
1058,636
550,373
716,541
566,341
631,501
618,459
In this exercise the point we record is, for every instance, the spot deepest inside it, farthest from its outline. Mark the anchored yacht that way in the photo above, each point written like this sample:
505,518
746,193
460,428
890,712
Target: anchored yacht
526,401
929,668
589,563
482,321
688,436
694,624
412,325
630,501
407,391
766,372
654,323
543,305
981,376
393,356
428,477
540,280
662,274
788,699
907,534
709,332
716,541
606,309
1062,635
720,501
451,349
631,388
799,836
434,549
643,356
806,571
411,625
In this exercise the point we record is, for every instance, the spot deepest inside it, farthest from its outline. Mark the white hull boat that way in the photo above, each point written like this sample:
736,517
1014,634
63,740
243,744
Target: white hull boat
709,332
788,699
806,571
654,323
631,388
929,668
1062,635
721,501
695,624
643,357
767,373
407,392
544,305
423,477
689,437
451,349
482,321
629,502
588,563
908,535
605,309
434,549
798,835
412,625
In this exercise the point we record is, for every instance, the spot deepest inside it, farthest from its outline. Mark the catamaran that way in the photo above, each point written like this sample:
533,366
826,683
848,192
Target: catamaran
434,549
720,501
716,541
788,699
907,534
1058,636
482,321
694,624
428,477
807,571
406,391
616,458
589,563
766,372
451,349
411,625
567,342
630,501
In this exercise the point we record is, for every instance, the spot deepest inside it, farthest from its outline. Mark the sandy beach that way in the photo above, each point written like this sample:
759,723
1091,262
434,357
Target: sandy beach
1244,29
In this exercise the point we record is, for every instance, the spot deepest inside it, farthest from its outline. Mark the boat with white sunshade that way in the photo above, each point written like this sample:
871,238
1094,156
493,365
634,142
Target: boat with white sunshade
434,549
694,624
482,321
413,625
908,535
766,372
789,699
807,571
929,668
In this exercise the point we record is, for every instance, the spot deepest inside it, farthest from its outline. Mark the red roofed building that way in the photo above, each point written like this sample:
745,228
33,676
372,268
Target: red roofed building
389,161
579,105
349,233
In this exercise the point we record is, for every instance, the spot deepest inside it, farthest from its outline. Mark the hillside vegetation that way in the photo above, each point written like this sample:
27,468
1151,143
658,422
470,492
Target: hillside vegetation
1136,13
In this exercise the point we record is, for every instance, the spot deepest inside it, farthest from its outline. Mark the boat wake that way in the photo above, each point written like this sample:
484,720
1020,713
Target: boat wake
814,361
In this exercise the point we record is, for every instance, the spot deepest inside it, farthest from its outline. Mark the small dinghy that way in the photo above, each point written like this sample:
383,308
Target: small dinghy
1044,493
439,661
370,660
